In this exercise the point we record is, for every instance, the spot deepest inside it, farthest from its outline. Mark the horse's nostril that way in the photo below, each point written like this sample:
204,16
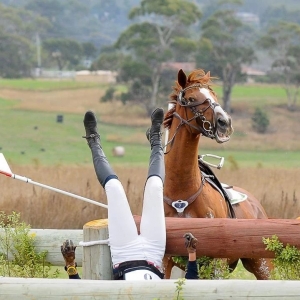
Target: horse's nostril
222,123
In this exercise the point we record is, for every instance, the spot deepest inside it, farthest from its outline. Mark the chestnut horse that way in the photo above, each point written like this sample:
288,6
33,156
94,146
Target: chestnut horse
187,193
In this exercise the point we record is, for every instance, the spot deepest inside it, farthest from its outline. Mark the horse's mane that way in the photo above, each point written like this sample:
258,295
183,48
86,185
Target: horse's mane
198,76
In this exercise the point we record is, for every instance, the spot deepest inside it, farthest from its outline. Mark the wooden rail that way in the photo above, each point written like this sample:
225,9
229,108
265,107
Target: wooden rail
236,238
230,238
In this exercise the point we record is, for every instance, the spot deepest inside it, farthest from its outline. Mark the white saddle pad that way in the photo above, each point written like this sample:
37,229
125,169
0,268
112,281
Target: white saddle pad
235,196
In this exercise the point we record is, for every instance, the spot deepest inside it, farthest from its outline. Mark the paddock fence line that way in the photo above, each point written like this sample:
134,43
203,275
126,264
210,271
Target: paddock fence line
237,236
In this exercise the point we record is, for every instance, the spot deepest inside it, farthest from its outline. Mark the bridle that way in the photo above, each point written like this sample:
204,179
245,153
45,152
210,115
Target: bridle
208,129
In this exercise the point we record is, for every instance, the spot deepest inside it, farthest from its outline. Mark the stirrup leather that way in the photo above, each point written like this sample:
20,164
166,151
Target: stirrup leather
92,136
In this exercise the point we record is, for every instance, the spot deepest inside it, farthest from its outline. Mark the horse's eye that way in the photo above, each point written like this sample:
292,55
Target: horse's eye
191,99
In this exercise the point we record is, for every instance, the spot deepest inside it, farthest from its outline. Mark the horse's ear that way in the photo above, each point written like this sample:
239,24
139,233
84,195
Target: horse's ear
181,78
206,77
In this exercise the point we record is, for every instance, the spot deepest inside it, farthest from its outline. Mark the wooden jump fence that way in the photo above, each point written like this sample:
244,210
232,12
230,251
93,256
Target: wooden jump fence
234,237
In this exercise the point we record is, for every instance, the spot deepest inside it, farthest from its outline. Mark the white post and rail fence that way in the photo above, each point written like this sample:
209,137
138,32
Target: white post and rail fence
219,238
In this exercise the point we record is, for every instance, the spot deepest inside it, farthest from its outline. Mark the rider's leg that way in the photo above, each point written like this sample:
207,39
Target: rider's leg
121,225
153,227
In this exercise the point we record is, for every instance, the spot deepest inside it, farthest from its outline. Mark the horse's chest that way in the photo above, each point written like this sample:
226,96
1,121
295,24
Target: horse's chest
193,214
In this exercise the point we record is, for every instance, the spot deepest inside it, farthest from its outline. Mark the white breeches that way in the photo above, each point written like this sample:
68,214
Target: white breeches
125,242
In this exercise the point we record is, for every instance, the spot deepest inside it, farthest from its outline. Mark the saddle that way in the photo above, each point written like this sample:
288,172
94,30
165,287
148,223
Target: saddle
230,195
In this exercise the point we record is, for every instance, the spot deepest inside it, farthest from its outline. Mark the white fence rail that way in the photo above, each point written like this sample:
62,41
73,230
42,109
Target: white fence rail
51,240
58,289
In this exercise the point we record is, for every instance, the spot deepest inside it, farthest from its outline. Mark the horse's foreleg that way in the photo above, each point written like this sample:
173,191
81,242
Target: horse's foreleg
232,263
261,268
168,264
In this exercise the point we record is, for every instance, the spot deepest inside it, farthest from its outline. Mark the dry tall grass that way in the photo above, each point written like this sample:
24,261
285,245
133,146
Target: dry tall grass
277,190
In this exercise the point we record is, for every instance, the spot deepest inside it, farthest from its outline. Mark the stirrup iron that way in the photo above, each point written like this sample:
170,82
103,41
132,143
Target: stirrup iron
218,166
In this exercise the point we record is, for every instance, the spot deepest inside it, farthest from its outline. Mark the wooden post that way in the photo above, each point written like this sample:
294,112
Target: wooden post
96,259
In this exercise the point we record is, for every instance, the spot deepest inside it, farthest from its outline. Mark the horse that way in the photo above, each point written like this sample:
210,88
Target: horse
188,191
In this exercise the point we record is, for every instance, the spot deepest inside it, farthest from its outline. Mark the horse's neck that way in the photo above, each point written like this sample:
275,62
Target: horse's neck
181,160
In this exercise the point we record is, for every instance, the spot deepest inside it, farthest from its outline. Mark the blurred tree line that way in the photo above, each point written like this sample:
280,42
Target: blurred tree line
138,38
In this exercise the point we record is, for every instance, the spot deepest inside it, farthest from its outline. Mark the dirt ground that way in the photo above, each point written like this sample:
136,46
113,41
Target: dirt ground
78,101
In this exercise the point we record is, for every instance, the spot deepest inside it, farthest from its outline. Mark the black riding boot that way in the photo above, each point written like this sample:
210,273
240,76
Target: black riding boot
156,163
102,167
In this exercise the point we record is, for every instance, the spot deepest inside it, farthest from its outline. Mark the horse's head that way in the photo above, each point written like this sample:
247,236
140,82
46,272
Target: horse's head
196,105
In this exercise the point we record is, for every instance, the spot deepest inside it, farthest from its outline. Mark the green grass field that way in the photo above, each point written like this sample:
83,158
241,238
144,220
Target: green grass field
35,137
259,159
259,95
258,91
239,91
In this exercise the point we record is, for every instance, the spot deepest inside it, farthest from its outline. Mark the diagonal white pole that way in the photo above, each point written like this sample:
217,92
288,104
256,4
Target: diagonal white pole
5,170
